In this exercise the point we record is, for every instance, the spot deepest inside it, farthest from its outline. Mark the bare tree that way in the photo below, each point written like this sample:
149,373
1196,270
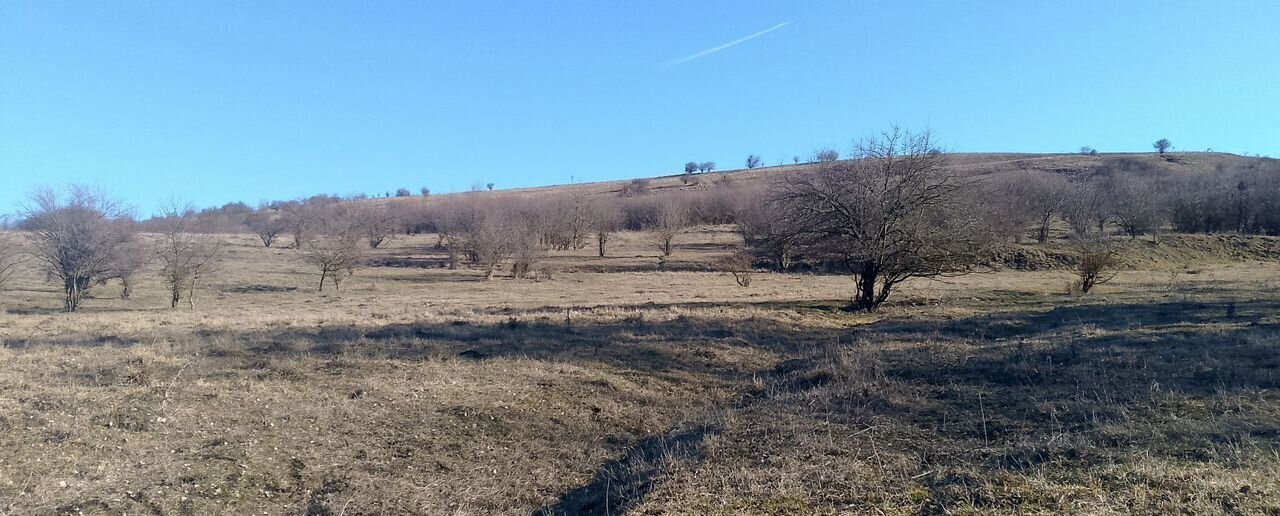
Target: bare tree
185,253
607,220
1137,205
1088,151
1085,210
299,221
77,239
266,225
424,191
378,223
1098,260
892,214
690,167
706,166
670,219
767,228
133,258
826,155
337,248
753,161
1162,145
739,264
1047,197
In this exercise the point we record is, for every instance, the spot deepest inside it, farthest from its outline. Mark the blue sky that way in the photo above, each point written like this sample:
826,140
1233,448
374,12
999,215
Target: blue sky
246,100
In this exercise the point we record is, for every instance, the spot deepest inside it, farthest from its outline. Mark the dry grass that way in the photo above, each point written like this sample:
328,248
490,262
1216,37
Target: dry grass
616,388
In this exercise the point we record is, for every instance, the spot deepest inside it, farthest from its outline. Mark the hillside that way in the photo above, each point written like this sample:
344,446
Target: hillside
967,164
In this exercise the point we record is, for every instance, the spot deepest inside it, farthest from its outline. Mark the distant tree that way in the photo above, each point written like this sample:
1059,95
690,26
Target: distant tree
893,214
132,260
489,186
1088,151
78,238
424,191
753,161
1097,263
266,225
403,192
636,188
707,166
826,155
1047,197
690,167
378,224
795,159
1138,205
606,220
668,221
767,228
185,253
336,248
1162,145
299,220
739,265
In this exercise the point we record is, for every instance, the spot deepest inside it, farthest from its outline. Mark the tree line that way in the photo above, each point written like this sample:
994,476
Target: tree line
892,212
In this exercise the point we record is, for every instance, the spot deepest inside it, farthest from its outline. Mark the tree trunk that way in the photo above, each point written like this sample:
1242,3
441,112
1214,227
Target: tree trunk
866,300
323,273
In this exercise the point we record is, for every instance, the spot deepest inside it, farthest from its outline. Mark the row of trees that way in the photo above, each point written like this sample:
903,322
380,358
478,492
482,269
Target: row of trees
894,212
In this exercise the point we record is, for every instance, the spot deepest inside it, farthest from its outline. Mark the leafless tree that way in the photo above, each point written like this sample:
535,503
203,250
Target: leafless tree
424,191
706,166
186,253
891,214
670,219
266,225
299,221
1088,151
753,161
133,258
1097,265
826,155
1046,195
1085,209
607,220
77,238
636,188
379,223
690,167
337,249
1162,145
739,264
767,227
1137,204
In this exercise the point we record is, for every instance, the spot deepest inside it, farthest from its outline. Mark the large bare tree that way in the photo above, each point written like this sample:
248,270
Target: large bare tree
891,214
77,238
669,220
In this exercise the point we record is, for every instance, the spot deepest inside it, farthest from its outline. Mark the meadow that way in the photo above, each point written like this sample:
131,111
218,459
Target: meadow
614,387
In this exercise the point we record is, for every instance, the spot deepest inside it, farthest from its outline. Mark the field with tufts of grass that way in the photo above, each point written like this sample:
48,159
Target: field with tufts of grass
615,387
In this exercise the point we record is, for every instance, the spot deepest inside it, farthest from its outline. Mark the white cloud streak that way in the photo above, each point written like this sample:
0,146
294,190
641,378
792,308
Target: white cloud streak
715,49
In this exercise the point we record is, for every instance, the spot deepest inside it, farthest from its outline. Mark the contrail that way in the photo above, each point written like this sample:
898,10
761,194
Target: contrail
713,50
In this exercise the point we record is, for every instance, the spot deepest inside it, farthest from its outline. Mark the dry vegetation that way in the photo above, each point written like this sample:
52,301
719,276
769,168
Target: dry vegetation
616,387
681,345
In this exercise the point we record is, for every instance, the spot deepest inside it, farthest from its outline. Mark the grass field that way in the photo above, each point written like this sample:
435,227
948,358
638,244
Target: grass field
617,388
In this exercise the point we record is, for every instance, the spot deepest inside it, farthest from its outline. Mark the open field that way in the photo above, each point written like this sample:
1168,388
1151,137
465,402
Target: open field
614,387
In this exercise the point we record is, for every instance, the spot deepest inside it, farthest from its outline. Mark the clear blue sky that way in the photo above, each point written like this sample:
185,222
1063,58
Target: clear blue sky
215,101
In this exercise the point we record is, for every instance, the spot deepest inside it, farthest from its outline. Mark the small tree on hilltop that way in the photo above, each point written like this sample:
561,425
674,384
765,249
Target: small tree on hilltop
826,155
706,166
690,167
753,161
1162,145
